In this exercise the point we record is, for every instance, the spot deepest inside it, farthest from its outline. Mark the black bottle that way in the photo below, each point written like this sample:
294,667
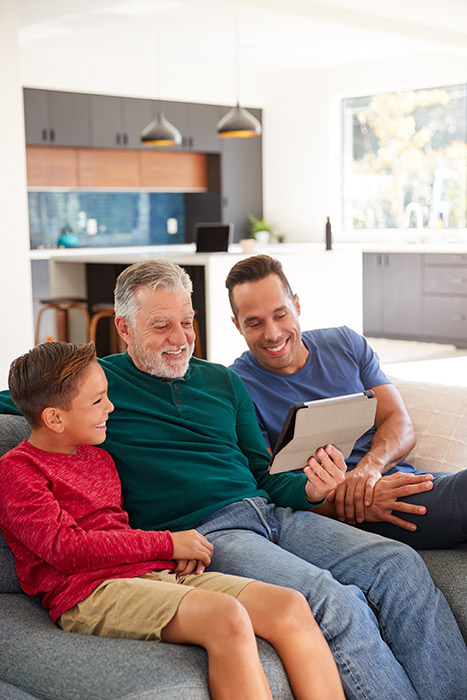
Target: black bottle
328,234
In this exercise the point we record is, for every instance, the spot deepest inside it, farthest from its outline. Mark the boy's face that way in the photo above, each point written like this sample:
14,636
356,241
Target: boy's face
84,423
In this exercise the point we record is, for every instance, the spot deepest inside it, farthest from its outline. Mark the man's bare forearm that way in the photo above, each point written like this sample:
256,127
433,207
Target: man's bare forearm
391,443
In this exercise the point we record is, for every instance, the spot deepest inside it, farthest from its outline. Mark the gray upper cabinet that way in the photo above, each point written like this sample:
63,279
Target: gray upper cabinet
241,180
117,122
57,118
197,124
202,127
392,294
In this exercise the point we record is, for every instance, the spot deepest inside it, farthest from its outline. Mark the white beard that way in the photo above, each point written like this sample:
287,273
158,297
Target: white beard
163,365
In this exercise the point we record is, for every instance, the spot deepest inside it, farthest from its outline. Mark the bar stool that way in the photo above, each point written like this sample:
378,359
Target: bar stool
62,306
100,311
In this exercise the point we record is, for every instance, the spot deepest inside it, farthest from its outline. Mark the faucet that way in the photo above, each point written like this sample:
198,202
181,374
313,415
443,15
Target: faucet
414,207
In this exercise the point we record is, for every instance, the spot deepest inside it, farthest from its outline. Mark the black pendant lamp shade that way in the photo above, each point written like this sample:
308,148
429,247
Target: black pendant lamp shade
238,123
160,132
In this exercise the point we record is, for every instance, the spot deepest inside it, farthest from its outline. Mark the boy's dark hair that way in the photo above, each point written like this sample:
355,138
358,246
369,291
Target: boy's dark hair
254,269
48,375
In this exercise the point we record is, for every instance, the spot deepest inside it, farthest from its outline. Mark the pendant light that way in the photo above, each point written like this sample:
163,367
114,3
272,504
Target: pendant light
160,132
238,122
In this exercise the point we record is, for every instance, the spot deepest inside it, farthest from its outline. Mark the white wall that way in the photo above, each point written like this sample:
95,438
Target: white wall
302,134
15,274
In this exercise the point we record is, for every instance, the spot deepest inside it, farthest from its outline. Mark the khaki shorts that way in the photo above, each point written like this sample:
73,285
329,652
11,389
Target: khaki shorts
140,607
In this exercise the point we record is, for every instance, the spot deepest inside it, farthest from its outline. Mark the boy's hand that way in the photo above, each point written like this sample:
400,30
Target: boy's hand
326,475
187,566
191,546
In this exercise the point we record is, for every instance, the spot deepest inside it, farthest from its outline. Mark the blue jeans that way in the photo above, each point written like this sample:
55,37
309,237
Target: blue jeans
391,632
445,522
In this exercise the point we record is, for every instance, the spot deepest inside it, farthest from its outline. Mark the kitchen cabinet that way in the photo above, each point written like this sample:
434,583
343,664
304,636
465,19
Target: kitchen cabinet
202,128
57,118
109,168
392,295
197,124
444,298
241,179
105,167
52,167
117,122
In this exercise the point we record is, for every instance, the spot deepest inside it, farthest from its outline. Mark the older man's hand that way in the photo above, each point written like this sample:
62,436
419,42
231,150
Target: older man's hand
325,473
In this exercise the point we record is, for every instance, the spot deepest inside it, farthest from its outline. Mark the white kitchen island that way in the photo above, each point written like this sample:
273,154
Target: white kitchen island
328,283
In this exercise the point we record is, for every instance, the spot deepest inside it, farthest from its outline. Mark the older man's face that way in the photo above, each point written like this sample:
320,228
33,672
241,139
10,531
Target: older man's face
162,341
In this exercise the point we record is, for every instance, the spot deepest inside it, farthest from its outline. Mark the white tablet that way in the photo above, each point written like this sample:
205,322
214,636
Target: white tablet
309,425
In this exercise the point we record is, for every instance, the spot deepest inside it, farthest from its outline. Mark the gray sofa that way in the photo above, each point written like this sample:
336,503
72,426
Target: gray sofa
39,660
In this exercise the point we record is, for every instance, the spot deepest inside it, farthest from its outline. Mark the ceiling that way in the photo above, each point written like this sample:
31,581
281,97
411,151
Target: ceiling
273,35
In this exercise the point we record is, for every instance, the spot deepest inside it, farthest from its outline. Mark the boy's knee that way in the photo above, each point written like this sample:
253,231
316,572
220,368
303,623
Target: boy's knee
292,609
229,618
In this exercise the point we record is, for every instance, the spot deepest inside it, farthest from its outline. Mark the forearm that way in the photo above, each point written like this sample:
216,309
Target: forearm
392,441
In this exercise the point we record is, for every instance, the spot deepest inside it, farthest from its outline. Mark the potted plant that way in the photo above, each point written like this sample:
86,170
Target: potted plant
260,229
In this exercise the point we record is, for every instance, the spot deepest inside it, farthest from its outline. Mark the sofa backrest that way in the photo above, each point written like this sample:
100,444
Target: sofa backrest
439,416
13,429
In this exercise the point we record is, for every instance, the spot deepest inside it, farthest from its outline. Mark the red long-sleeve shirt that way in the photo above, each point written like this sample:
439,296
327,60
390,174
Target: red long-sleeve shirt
61,516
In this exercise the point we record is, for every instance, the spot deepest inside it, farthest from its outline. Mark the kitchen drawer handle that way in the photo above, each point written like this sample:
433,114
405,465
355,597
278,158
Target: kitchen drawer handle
457,317
458,280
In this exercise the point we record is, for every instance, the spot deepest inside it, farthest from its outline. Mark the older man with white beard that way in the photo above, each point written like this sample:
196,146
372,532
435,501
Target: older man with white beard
190,454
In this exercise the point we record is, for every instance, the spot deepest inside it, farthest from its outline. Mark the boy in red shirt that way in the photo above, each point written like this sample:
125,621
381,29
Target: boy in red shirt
61,514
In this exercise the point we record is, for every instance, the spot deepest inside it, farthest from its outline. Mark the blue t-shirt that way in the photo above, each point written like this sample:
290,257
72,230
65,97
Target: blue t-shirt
340,362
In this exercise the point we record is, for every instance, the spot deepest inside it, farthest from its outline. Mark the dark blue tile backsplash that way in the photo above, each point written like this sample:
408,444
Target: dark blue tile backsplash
103,219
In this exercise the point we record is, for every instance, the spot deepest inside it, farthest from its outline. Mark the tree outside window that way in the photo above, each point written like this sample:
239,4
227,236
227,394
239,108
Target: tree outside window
405,148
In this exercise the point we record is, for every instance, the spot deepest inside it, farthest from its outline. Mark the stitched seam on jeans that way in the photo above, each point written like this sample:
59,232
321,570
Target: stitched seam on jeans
260,514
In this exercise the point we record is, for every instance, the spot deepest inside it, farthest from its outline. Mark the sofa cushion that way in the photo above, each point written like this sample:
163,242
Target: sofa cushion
47,662
13,429
448,569
439,416
8,579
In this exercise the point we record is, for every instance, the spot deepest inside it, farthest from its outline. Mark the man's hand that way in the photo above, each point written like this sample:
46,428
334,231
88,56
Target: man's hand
356,493
192,551
392,487
325,475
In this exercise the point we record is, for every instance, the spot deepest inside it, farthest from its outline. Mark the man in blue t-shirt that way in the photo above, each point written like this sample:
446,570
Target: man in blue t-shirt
284,366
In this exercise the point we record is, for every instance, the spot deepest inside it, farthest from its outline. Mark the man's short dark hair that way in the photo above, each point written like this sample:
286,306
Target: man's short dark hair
48,375
254,269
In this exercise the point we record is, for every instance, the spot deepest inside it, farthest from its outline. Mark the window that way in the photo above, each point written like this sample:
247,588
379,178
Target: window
405,158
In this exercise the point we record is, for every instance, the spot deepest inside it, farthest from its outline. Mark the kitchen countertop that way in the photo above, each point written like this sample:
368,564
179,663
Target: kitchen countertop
188,251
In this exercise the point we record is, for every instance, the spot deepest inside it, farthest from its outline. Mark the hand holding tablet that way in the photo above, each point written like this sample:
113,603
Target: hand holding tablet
324,475
338,421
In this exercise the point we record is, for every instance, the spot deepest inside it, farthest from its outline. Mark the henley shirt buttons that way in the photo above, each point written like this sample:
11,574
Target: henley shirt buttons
179,402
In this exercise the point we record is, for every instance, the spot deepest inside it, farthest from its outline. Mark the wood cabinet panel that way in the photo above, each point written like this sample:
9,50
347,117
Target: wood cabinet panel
116,168
51,167
178,170
102,167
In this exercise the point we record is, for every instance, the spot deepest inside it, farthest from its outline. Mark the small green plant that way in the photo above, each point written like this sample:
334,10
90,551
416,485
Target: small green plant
257,225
